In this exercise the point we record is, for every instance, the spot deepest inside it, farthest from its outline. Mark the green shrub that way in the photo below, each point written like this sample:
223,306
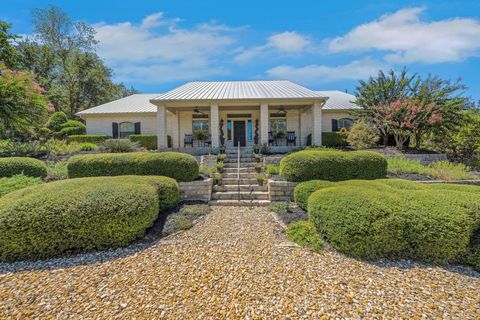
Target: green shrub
120,145
87,146
206,170
73,124
16,182
362,135
61,147
333,165
195,210
397,218
179,166
303,190
56,120
65,132
19,165
74,215
304,234
334,139
399,165
272,169
147,141
22,149
56,170
91,138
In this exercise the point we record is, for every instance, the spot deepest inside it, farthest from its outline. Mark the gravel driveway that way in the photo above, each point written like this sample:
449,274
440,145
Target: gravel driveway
236,264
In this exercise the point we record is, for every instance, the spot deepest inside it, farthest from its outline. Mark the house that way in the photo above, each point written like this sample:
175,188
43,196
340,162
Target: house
214,113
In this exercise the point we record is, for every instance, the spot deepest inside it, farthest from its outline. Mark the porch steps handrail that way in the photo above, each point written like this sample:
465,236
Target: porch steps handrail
238,169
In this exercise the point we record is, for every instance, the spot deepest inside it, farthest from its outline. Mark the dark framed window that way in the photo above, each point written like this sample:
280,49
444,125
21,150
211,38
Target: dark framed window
278,125
345,123
126,129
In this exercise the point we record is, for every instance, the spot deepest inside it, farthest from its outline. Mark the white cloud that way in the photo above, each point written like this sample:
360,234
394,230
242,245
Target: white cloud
408,39
314,73
288,42
159,44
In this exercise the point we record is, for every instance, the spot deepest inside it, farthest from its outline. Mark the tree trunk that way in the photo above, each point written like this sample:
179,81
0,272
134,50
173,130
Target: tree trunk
418,138
385,140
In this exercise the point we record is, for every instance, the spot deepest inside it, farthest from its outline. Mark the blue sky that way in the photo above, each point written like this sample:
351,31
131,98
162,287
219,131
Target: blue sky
156,45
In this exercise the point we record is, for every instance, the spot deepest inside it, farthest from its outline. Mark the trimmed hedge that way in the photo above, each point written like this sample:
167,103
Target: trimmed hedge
398,219
80,214
303,190
334,139
333,165
9,184
145,140
179,166
91,138
21,165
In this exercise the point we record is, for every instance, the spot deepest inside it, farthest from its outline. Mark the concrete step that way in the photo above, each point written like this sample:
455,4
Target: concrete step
235,160
242,187
243,175
235,181
242,195
252,203
242,170
242,164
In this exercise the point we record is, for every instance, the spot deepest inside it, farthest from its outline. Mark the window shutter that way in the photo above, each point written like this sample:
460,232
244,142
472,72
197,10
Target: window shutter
137,128
334,125
114,130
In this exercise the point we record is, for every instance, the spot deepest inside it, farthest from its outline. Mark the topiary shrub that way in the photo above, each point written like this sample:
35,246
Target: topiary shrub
91,138
333,165
179,166
21,165
303,190
397,219
56,120
74,215
147,141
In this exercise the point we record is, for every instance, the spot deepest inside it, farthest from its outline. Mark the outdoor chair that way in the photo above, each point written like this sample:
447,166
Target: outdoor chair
208,142
188,140
291,138
270,138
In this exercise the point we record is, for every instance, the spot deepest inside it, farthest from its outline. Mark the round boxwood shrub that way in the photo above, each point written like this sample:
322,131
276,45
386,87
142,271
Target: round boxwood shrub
179,166
303,190
333,165
397,218
21,165
80,214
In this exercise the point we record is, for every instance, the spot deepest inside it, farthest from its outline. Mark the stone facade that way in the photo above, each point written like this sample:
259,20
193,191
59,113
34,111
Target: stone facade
281,190
196,190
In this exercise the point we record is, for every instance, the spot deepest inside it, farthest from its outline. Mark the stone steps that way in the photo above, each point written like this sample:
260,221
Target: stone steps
242,170
242,175
252,203
242,187
235,181
242,165
242,195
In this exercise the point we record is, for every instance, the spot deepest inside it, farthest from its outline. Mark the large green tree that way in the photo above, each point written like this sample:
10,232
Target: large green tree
8,54
62,55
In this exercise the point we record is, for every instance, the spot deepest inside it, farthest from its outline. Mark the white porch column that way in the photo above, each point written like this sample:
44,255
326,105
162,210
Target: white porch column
214,123
161,127
317,124
264,123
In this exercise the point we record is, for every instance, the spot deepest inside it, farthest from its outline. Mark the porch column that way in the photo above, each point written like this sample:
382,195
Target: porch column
317,124
264,123
214,122
161,127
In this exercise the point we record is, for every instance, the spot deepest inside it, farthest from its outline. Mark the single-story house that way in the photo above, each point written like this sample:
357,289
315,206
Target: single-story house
215,113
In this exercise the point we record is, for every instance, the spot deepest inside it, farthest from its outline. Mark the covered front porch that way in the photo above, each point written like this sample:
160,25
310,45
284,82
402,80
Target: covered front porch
197,128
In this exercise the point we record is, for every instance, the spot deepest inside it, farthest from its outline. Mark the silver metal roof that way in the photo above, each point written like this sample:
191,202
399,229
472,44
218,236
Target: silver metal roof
338,100
237,90
136,103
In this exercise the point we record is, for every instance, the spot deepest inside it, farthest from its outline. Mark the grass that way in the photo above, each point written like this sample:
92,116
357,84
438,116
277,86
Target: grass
16,182
272,169
442,170
56,170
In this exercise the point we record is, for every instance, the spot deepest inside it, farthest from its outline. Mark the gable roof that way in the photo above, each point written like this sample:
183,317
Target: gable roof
338,100
238,90
136,103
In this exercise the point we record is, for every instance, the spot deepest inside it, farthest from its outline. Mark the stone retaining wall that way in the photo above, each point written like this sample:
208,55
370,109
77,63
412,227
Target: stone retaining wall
281,190
209,160
275,159
468,182
196,190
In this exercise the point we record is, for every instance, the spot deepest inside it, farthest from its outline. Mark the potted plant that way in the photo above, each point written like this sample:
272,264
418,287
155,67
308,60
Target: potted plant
256,148
258,157
222,149
200,135
258,167
279,134
261,179
221,157
217,178
220,166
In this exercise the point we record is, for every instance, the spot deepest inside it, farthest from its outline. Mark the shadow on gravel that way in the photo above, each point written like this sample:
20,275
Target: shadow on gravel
168,222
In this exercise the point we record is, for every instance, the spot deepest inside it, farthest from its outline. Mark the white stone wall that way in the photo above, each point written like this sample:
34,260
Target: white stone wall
103,124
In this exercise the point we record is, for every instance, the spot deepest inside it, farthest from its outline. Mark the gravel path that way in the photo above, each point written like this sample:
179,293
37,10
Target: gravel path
236,264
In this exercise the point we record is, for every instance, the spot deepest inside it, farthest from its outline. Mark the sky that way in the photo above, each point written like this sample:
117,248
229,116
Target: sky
323,45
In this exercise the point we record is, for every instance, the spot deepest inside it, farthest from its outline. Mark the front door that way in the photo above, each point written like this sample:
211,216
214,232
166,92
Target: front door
239,133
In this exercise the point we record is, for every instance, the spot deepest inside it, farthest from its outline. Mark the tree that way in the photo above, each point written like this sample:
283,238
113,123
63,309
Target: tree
22,102
378,93
362,135
62,55
8,54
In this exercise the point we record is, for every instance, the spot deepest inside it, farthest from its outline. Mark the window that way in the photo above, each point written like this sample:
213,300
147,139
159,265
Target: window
278,125
345,123
200,129
126,129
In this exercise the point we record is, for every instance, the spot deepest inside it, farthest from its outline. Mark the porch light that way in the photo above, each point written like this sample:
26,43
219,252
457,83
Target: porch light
281,110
